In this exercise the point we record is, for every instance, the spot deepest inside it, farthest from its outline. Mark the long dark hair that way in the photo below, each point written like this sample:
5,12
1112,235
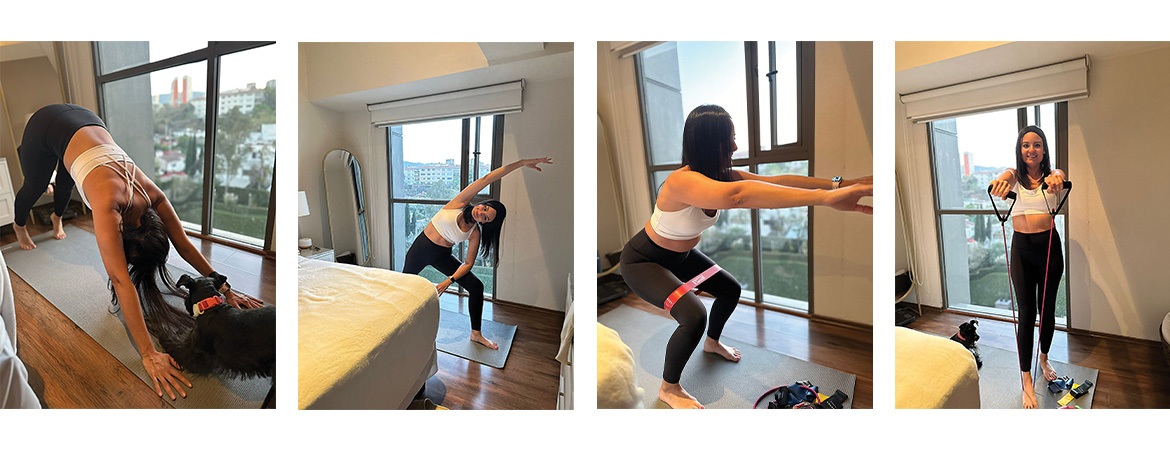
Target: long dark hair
489,232
1021,167
707,142
146,249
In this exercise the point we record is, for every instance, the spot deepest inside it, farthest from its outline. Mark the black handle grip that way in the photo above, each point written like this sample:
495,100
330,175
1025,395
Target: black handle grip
1011,195
1067,185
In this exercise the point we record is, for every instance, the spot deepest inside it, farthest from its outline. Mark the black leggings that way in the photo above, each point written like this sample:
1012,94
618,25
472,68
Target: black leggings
1029,253
425,253
654,272
42,149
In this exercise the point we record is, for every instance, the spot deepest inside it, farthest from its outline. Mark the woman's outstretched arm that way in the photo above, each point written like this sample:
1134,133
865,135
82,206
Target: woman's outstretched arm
695,189
1003,184
161,368
799,181
469,192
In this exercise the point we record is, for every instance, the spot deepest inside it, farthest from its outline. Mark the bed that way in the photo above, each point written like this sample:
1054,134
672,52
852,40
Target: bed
933,372
366,336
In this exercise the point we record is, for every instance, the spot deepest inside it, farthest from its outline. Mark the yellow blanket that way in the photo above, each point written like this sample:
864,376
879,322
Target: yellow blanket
345,315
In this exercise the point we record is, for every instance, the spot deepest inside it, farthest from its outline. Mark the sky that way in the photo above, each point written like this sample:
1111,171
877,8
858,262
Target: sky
436,142
236,70
991,136
713,73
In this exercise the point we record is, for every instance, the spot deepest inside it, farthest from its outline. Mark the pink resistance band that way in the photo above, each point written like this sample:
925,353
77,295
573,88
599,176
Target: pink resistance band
689,286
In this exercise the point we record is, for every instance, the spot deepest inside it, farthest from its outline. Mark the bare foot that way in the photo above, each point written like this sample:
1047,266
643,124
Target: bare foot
58,229
22,236
1049,372
678,398
1029,391
716,347
478,338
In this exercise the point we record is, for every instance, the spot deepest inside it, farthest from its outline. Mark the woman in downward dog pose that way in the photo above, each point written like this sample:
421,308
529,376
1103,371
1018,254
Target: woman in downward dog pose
1035,250
132,219
661,263
480,225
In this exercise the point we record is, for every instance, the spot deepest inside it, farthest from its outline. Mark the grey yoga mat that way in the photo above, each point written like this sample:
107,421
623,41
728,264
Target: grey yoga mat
999,382
455,338
69,273
714,381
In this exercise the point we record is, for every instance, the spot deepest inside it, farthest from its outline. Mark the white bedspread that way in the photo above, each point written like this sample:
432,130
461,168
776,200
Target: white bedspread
366,336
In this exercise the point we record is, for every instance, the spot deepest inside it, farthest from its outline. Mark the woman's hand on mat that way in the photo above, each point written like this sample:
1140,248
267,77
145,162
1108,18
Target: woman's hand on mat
240,301
164,371
1000,188
532,163
846,198
1055,182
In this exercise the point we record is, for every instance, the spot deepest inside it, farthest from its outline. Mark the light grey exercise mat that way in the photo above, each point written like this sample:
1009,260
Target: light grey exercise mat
69,273
999,382
716,382
455,338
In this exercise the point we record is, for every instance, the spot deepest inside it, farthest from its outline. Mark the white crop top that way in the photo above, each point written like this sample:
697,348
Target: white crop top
1031,201
682,225
446,221
112,157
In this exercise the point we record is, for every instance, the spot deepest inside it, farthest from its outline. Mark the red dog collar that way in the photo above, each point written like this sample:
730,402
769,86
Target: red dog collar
206,304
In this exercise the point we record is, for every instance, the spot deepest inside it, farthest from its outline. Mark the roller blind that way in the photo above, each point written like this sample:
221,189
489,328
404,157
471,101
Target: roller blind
1047,84
504,98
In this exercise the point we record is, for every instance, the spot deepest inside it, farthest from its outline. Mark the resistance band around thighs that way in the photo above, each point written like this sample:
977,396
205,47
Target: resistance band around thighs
689,286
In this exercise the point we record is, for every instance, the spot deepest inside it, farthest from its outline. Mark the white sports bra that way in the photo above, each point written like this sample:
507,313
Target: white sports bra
110,156
446,221
1031,201
682,225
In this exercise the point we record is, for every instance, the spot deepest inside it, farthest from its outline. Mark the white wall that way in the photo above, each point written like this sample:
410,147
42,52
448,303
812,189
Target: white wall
536,249
319,130
1117,277
843,145
1118,217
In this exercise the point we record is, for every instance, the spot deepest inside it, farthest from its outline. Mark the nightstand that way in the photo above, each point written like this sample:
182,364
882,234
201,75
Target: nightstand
318,253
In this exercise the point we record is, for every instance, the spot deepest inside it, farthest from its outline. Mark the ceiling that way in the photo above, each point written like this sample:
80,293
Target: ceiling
494,63
982,60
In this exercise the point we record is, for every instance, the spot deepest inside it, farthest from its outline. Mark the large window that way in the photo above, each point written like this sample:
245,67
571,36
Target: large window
767,87
430,163
155,98
967,154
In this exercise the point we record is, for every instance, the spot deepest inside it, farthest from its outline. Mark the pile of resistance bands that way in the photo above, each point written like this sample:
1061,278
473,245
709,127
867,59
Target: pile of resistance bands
802,395
1075,391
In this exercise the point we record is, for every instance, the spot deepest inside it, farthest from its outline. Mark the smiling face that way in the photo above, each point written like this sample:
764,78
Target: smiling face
1032,150
483,213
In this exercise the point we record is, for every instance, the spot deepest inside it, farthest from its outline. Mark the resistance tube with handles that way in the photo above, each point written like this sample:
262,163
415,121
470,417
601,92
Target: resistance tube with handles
1047,260
1007,258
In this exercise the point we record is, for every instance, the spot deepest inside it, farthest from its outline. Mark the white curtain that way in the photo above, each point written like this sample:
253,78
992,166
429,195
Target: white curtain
504,98
1052,83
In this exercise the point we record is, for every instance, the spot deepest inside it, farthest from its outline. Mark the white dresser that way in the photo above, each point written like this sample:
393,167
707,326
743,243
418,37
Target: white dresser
7,194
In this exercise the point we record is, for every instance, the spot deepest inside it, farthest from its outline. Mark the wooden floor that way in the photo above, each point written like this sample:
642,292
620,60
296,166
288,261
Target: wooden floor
531,376
1133,374
529,380
847,349
68,369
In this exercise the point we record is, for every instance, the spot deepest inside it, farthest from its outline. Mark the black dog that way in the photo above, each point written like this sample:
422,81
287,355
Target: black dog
967,336
226,340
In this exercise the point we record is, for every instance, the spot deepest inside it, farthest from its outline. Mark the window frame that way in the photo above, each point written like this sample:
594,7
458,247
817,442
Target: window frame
801,150
1061,121
209,54
466,154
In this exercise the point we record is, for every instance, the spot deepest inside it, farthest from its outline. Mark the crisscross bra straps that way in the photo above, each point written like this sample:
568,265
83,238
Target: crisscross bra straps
110,156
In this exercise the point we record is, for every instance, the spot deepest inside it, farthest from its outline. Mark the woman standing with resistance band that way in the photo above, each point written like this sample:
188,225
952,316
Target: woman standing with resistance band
459,221
134,223
661,264
1037,262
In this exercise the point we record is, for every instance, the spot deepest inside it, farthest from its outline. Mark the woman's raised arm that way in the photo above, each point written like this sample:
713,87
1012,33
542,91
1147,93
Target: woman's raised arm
469,192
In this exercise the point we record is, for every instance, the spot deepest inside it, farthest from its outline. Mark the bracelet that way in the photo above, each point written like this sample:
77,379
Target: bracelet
836,182
223,288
